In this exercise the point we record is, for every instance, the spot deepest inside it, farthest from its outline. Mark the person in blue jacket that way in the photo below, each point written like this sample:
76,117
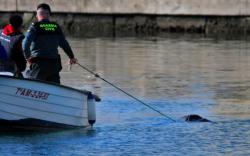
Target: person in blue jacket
41,44
11,53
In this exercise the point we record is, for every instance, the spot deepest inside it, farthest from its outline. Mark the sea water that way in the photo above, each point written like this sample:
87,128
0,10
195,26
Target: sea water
177,75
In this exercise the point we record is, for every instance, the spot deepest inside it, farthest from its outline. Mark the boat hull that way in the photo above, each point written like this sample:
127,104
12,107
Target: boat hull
32,103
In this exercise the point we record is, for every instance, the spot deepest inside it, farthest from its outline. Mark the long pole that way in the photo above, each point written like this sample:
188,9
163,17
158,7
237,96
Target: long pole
140,101
16,5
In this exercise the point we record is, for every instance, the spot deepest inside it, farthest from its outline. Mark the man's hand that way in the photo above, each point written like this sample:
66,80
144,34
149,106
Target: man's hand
29,60
72,61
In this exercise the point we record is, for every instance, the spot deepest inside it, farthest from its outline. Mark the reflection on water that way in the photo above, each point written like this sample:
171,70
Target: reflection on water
193,69
178,76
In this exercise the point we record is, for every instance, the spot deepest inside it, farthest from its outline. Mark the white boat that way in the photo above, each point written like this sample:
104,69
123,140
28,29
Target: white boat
31,104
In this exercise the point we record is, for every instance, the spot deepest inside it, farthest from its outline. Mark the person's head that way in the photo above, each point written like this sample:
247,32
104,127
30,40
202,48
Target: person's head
16,21
43,11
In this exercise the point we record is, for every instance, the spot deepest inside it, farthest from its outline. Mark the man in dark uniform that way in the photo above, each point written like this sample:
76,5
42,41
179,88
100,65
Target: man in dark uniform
41,47
11,53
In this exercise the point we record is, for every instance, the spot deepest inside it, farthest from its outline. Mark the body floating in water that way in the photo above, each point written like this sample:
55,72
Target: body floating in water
195,118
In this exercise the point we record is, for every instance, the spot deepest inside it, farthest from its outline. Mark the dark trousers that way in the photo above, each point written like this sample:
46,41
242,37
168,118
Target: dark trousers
45,69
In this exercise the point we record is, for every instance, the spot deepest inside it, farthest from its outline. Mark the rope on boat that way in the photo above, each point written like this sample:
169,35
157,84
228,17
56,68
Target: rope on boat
140,101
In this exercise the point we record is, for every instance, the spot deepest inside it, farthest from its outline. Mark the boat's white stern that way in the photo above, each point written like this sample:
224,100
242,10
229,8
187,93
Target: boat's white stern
44,104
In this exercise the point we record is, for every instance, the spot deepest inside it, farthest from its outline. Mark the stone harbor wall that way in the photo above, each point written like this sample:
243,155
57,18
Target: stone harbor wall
155,7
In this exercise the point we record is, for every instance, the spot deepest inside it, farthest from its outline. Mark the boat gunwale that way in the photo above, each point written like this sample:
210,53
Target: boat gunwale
50,83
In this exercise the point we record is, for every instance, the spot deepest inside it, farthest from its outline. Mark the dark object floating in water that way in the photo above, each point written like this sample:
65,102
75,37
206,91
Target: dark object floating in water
195,118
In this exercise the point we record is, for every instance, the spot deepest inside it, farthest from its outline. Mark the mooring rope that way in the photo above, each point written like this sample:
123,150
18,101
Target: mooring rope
140,101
